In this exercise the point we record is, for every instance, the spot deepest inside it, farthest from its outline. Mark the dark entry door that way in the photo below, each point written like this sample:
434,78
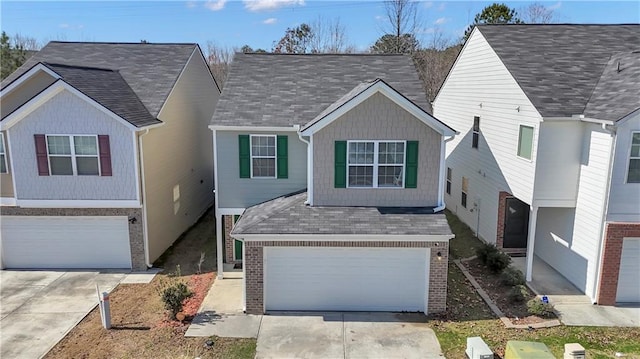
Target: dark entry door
516,224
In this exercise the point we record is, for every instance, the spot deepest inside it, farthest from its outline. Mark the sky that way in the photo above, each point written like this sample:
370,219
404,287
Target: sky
258,23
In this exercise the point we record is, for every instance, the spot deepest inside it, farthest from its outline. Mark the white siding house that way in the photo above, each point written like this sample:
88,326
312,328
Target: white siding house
547,148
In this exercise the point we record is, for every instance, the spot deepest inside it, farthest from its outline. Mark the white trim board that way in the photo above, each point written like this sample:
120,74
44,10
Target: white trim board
388,91
35,203
7,201
27,75
230,211
253,128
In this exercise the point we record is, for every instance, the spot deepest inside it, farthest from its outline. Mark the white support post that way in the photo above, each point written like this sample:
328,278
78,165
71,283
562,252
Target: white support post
244,276
533,218
219,248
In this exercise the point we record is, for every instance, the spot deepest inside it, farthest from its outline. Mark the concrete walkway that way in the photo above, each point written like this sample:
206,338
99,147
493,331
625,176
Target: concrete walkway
574,308
221,313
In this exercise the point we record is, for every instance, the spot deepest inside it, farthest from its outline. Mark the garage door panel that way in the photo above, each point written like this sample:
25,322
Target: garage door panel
628,282
365,279
65,242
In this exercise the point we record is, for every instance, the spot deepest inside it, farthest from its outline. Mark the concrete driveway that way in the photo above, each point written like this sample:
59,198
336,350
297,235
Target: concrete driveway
38,308
346,335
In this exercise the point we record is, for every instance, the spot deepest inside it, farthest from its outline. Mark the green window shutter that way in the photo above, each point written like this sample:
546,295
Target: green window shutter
411,165
340,161
283,157
244,150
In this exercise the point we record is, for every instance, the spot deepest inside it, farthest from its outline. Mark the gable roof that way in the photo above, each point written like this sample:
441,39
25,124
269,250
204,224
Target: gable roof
289,214
364,91
617,93
283,90
149,70
558,65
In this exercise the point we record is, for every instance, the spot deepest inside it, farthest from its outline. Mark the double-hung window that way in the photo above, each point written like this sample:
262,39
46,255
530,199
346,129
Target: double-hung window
73,155
449,178
633,175
525,142
3,155
376,164
476,132
465,191
263,156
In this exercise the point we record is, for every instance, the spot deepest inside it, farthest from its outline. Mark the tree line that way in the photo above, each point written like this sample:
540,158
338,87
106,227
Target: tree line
399,35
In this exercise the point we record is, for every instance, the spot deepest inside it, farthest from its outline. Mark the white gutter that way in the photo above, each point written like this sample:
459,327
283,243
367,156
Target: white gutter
605,210
145,234
309,143
218,215
443,174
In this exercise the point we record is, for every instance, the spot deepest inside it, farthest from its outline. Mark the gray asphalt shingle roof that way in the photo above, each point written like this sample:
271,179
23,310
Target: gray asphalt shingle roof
289,215
286,89
109,89
558,65
150,70
617,94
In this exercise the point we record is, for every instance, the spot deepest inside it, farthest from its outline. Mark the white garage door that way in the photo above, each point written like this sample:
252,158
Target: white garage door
346,279
629,276
65,242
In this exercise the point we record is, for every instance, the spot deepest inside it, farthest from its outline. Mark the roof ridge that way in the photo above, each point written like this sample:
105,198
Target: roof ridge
560,24
123,43
318,54
77,66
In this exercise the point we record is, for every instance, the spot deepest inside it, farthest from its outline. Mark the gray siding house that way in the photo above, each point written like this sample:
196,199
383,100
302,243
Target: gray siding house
329,189
105,156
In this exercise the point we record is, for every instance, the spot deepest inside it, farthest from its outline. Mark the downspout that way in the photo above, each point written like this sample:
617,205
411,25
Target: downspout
309,200
145,234
443,171
605,210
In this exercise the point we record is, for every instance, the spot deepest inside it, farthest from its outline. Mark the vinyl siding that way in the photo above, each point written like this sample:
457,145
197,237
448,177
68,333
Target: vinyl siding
480,85
590,200
66,113
23,93
556,244
6,179
558,162
377,118
624,197
236,192
178,155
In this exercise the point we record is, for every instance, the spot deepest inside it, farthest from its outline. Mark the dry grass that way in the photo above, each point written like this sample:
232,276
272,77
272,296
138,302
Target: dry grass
140,328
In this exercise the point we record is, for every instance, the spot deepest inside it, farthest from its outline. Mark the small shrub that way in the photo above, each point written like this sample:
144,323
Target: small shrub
173,291
518,294
497,261
511,276
483,252
536,306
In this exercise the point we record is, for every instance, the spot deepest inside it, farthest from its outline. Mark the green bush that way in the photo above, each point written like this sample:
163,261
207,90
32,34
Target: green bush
484,250
536,306
173,295
518,293
497,261
511,276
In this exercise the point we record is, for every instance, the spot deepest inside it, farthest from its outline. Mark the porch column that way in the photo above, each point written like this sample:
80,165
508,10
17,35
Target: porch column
219,248
244,276
533,218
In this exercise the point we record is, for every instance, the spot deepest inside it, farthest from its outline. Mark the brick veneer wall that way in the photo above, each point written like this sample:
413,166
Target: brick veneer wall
613,237
502,213
437,271
228,240
136,238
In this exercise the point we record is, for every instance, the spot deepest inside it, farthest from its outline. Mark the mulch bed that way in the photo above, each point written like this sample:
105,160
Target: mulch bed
499,293
199,285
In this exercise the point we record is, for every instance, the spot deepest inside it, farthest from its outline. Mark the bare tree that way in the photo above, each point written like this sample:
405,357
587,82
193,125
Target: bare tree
26,42
219,59
402,19
329,36
537,13
434,64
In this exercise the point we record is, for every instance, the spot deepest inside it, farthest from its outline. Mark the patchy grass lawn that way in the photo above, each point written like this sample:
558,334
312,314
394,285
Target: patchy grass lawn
140,328
468,316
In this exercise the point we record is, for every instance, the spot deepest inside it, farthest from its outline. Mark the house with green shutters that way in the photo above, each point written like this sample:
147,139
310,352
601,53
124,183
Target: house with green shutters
329,184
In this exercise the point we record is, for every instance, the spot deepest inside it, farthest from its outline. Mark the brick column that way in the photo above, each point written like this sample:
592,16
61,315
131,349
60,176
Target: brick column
502,213
612,251
438,270
228,241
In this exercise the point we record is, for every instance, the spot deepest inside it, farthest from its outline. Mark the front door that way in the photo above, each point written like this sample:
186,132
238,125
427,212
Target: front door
516,224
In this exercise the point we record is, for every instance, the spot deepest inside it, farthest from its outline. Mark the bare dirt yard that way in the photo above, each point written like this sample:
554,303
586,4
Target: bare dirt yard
140,325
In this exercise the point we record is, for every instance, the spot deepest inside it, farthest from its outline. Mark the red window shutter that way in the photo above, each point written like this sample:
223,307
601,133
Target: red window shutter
105,155
41,155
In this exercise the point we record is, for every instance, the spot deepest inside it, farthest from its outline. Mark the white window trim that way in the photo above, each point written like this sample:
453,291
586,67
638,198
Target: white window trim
275,156
73,154
629,158
4,145
449,180
533,138
375,163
